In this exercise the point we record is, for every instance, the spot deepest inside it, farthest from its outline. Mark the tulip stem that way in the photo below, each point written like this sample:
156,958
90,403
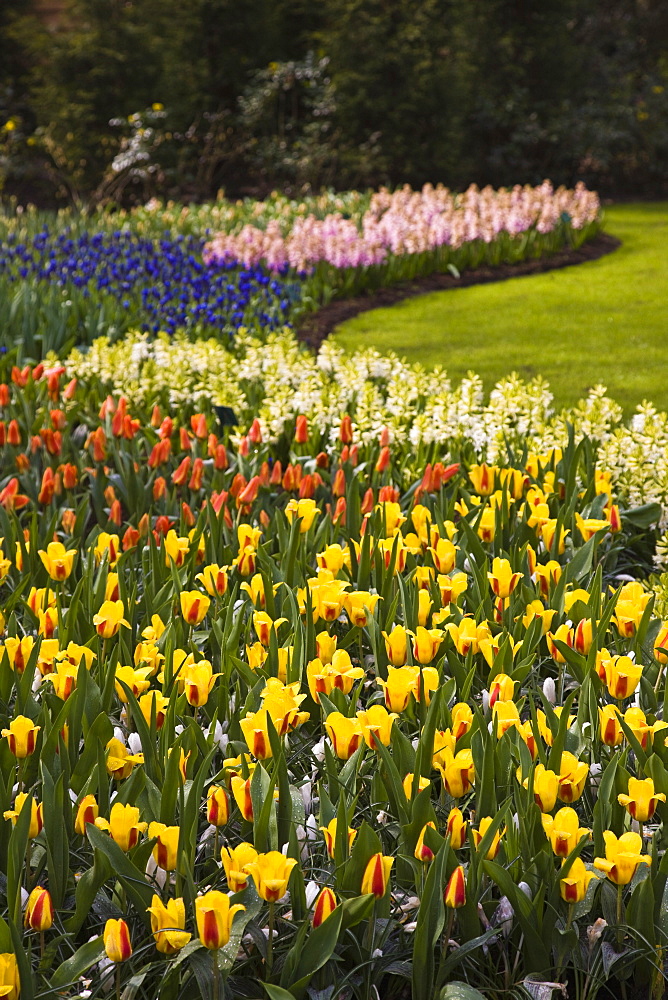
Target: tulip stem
448,930
270,939
41,945
118,981
216,974
620,909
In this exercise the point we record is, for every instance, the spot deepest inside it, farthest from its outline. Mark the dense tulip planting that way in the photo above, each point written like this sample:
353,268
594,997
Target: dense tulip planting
315,714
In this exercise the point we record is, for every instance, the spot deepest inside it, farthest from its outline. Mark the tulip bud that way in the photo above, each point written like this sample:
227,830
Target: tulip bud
117,942
455,891
377,875
325,905
39,910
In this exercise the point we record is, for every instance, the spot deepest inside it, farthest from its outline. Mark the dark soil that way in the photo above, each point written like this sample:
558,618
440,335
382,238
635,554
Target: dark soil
315,327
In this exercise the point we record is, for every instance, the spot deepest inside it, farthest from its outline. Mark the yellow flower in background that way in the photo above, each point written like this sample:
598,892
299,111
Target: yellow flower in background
590,525
306,510
457,771
562,634
482,478
504,716
271,873
547,575
176,548
168,923
545,788
642,799
87,812
427,643
467,635
242,796
501,688
214,916
137,680
38,912
109,546
334,558
622,857
408,785
548,532
18,651
58,561
610,731
451,587
117,944
198,680
422,852
123,825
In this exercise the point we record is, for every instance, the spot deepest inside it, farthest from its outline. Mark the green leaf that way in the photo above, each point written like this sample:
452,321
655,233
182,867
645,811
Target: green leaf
460,991
69,972
277,992
430,922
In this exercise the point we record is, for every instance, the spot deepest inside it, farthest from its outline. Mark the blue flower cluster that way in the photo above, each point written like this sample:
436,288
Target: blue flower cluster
157,284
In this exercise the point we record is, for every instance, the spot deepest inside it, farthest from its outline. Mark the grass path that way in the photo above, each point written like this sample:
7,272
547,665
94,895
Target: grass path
601,322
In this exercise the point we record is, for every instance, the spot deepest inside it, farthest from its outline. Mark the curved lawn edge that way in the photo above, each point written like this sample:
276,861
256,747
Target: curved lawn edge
317,326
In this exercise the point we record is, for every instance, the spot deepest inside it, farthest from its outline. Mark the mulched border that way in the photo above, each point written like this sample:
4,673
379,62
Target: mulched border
317,326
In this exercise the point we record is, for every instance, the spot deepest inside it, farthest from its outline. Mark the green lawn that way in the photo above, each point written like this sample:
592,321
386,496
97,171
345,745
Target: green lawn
601,322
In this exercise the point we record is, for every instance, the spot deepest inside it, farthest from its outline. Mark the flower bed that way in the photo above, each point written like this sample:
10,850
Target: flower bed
340,709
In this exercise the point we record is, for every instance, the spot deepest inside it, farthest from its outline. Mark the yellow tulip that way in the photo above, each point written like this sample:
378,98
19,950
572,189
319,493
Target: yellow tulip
455,890
214,917
18,651
451,587
536,610
234,861
467,635
271,874
610,731
359,604
325,645
194,606
408,785
109,619
502,688
58,561
444,555
329,833
36,814
242,796
573,887
214,579
396,644
120,761
590,525
325,905
544,728
622,676
422,852
563,830
504,716
572,777
426,644
545,787
117,944
502,579
21,736
334,558
176,548
563,634
165,851
547,575
161,702
642,799
456,827
482,478
377,720
39,911
137,680
198,680
622,857
168,925
123,825
345,734
255,728
255,590
399,687
10,982
548,532
457,772
376,875
305,510
87,812
636,721
483,826
217,806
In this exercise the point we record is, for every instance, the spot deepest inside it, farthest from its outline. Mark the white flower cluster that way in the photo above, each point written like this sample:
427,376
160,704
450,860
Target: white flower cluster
277,379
